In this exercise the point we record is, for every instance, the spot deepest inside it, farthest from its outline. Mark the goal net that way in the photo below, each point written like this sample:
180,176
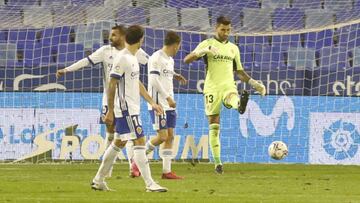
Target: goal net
305,52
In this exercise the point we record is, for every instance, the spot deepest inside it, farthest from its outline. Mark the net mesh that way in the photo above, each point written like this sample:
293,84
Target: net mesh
306,52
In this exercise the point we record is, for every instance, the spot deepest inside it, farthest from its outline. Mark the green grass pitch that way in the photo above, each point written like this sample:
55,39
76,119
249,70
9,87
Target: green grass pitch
240,183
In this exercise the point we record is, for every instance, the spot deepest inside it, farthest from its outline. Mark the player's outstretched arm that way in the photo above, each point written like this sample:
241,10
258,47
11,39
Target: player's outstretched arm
259,87
158,109
74,67
109,117
200,51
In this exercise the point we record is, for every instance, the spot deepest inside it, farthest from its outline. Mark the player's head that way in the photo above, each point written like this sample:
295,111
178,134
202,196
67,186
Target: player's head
134,35
223,28
117,36
172,42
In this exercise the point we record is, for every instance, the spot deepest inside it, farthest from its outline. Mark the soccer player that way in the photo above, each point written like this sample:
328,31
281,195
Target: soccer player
125,108
160,77
106,55
222,58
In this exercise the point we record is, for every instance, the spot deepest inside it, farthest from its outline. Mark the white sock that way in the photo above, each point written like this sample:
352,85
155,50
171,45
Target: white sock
166,156
129,151
107,162
149,146
108,139
143,164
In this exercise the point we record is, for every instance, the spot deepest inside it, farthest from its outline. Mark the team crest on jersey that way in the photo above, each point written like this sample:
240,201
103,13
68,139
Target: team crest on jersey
138,130
110,57
163,122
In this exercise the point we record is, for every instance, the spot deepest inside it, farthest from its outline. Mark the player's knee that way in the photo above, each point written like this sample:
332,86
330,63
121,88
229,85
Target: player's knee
163,135
119,143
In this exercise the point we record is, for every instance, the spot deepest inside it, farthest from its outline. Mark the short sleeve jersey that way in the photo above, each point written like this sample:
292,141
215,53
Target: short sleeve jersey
220,68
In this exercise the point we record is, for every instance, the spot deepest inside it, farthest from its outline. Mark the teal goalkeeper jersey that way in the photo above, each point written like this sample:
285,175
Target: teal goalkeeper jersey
220,68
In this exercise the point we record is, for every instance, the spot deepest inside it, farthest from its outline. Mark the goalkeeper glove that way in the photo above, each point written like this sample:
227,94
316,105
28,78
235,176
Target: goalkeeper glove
259,87
207,50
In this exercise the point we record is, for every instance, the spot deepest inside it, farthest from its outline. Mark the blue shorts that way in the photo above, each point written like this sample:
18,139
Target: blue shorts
128,128
165,121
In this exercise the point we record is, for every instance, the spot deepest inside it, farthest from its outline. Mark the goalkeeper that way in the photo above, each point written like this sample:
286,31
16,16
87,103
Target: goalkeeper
222,58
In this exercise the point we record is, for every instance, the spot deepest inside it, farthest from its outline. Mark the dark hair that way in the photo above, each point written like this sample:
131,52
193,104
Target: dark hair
223,20
120,28
171,38
133,34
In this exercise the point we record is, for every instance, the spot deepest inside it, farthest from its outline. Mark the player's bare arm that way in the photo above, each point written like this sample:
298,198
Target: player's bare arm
200,53
180,78
143,92
109,117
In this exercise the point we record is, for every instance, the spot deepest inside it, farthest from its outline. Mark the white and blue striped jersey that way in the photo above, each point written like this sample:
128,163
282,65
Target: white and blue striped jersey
161,65
127,97
106,55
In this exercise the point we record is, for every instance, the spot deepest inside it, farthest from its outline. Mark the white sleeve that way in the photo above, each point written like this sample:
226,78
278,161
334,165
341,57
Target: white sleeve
97,56
142,56
154,75
78,65
118,69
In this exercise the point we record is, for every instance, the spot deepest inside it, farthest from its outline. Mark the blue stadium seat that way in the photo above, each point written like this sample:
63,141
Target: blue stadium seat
3,36
334,58
286,41
301,58
69,15
7,53
257,19
131,15
197,17
306,4
343,16
288,19
356,55
316,18
56,35
211,3
16,19
98,13
117,4
338,5
318,39
87,2
269,58
70,53
21,35
275,4
181,4
231,11
23,2
244,3
150,3
163,17
55,2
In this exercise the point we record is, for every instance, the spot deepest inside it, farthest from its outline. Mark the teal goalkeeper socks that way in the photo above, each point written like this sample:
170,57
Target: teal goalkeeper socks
214,140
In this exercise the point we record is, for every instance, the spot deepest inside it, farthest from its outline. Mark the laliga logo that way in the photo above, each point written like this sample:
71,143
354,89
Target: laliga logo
265,125
341,140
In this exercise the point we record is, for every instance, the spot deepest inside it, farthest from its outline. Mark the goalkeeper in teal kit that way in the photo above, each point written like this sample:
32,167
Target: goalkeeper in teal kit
222,58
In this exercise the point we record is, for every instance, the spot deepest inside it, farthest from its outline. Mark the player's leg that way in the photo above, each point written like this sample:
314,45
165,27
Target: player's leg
212,109
140,157
109,128
232,100
159,124
166,151
133,170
